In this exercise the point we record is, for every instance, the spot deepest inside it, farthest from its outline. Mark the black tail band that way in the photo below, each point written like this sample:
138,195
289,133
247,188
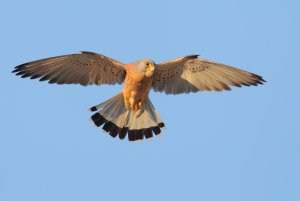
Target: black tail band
133,135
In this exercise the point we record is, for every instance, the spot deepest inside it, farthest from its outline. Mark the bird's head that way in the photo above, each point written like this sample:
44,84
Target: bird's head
146,67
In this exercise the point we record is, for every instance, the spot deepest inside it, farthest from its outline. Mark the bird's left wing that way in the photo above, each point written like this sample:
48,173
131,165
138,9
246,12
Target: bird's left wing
192,74
83,68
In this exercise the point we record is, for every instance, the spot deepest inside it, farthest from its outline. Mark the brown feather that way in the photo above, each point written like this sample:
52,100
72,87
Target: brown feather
83,68
193,74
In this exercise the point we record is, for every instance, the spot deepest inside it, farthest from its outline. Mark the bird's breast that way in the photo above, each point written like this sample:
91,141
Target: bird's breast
136,88
140,86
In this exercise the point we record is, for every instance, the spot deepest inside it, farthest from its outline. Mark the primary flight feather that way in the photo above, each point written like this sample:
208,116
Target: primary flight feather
131,111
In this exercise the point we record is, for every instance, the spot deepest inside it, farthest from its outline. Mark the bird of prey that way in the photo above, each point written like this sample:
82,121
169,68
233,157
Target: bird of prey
131,111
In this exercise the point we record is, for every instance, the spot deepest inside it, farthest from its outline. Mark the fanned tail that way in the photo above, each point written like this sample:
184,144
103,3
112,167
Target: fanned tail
117,120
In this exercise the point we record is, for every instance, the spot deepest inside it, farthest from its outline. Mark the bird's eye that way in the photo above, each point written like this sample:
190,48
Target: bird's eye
147,64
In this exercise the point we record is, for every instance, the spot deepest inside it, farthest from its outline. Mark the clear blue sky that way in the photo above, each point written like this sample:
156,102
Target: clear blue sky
241,145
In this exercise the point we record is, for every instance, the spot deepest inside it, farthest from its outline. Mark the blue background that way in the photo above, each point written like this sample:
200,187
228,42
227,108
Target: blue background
238,145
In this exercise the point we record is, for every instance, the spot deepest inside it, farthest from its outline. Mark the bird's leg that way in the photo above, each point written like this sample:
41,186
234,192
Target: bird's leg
140,105
126,101
132,100
132,105
127,104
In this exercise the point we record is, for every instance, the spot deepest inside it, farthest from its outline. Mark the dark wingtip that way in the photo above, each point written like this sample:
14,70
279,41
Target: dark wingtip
43,78
87,52
16,70
93,109
52,81
19,69
20,73
35,76
192,56
259,78
26,75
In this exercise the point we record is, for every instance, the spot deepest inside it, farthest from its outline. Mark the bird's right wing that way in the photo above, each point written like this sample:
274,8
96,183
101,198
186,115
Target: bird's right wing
83,68
192,74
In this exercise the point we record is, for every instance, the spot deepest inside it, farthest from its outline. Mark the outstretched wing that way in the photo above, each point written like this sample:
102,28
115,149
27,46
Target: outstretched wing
83,68
192,74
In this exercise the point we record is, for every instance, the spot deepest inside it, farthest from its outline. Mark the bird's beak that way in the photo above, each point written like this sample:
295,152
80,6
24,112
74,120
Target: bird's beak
151,67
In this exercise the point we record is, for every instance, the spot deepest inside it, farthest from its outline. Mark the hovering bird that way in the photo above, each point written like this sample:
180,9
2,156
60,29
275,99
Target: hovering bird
131,111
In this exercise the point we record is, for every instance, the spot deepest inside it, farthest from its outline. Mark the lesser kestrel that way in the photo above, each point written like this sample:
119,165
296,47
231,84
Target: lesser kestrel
131,111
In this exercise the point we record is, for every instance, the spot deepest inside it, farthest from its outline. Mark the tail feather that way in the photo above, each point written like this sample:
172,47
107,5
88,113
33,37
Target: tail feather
118,120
